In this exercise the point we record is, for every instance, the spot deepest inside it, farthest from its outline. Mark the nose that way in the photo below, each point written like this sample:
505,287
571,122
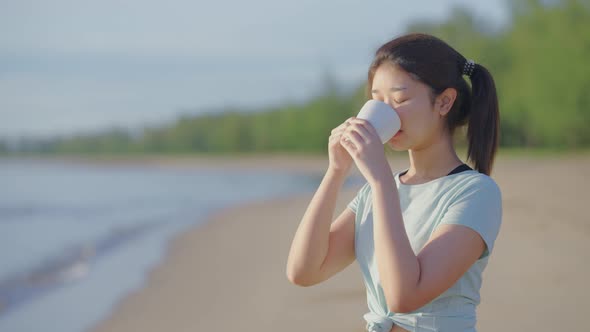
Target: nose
380,98
388,101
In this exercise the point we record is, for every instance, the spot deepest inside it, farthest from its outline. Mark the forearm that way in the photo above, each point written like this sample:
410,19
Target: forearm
310,243
398,266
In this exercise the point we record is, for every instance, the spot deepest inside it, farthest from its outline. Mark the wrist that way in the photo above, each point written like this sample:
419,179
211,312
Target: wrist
336,173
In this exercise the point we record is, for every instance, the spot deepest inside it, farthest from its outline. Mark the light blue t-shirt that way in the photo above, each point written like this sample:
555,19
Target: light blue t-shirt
467,198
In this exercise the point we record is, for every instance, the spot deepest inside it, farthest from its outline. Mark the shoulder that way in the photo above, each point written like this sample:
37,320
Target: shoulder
477,204
473,181
476,191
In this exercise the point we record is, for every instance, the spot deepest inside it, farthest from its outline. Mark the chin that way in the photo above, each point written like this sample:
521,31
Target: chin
401,142
395,146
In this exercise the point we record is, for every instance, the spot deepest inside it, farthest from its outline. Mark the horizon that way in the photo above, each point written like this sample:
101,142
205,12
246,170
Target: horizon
68,72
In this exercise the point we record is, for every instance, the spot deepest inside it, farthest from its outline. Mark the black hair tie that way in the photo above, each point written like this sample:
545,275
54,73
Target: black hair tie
468,68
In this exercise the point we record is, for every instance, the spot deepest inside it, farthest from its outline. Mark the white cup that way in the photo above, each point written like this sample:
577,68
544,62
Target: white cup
381,116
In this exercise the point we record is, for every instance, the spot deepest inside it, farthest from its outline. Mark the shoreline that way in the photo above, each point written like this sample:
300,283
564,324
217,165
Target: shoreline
229,272
161,281
286,162
536,272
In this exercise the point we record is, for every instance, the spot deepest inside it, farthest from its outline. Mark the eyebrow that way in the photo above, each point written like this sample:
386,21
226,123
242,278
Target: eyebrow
395,88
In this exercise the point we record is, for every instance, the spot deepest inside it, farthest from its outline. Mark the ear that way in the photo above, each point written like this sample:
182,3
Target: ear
445,101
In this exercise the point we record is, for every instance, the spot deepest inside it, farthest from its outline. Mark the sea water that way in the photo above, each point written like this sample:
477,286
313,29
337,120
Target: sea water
75,238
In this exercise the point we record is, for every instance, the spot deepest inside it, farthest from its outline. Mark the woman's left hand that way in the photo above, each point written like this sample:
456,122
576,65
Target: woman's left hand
363,144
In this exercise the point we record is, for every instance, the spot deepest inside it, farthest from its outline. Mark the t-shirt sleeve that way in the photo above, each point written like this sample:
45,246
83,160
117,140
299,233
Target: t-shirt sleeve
357,200
478,207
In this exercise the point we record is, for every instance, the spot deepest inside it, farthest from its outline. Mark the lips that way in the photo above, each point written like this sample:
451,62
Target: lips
398,133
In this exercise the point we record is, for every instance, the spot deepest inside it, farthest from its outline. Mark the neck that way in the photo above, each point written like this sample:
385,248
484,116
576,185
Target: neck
434,161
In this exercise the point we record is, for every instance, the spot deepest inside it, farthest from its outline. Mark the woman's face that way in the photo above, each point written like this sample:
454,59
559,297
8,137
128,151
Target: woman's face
421,125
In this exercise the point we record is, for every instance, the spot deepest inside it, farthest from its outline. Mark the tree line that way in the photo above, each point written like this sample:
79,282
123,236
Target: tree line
539,62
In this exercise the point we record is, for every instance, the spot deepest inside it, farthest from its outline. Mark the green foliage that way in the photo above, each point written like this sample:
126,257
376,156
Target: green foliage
541,68
540,63
546,87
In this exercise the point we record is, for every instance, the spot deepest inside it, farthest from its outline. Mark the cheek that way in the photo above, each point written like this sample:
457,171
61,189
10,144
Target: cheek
415,118
402,113
406,117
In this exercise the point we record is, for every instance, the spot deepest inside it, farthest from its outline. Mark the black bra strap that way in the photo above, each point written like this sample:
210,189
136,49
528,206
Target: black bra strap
458,169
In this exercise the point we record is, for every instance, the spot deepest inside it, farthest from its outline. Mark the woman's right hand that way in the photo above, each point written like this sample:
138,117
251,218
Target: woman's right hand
340,160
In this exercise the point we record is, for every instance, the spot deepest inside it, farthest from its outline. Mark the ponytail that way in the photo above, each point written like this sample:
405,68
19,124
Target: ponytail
438,65
484,121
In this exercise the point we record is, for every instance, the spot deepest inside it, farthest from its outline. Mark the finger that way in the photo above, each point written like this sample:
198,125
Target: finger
360,130
347,122
343,125
355,137
348,145
342,128
336,133
336,137
333,139
367,125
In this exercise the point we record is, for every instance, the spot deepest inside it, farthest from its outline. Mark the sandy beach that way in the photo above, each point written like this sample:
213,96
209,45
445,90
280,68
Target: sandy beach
229,274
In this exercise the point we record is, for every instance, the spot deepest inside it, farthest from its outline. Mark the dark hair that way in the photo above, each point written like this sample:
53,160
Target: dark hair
436,64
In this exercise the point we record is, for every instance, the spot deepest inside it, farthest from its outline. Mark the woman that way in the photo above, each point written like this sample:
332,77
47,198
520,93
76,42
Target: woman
422,237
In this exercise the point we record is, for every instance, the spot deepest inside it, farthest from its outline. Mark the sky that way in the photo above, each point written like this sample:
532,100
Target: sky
69,67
